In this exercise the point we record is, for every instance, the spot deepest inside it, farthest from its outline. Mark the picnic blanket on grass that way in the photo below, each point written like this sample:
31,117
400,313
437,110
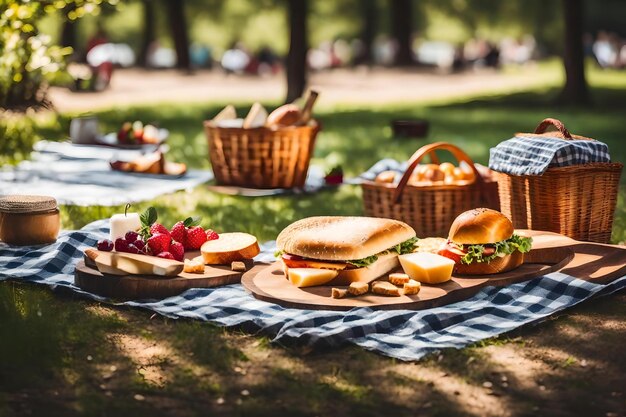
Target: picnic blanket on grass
401,334
82,176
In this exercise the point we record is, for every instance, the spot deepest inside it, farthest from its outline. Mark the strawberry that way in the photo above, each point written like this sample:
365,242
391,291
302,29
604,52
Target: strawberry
195,238
211,234
165,255
177,250
159,242
159,228
179,232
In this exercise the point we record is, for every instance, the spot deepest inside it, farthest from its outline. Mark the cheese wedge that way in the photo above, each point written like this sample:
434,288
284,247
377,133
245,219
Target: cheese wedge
117,263
310,277
427,268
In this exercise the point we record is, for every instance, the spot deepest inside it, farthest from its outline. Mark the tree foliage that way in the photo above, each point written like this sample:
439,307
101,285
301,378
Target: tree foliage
28,59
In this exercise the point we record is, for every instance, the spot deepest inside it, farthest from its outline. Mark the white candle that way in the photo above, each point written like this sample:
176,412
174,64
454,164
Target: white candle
122,223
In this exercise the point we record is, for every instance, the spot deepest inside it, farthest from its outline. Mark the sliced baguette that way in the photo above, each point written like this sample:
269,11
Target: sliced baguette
230,247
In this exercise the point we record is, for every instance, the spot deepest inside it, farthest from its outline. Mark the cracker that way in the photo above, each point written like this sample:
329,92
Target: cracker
193,266
385,288
398,278
339,293
238,266
358,288
411,288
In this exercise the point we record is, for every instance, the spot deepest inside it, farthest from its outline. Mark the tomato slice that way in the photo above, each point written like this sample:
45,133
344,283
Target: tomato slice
489,251
294,261
451,251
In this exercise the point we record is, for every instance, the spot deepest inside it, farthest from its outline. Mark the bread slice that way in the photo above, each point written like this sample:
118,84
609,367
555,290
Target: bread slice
257,116
230,247
227,113
498,265
337,238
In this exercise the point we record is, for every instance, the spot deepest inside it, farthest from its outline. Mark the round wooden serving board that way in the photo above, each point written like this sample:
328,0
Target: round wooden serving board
134,287
551,252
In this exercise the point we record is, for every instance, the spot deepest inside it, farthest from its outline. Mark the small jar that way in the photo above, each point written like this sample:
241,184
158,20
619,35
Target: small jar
29,220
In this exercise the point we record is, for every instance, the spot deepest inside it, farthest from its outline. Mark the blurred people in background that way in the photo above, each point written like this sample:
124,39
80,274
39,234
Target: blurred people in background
201,56
269,62
99,59
236,59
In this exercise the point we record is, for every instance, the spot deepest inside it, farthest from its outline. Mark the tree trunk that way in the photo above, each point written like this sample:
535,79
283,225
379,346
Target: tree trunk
178,26
148,31
575,89
68,33
298,46
368,31
402,30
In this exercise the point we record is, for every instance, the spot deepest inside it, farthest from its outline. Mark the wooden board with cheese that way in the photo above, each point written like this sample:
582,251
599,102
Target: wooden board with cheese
551,252
129,276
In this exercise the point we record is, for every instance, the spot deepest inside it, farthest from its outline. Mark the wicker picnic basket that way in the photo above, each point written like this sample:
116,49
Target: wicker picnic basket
261,157
429,209
576,201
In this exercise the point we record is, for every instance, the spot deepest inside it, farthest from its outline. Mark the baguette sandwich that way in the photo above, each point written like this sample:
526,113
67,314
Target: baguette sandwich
481,242
342,249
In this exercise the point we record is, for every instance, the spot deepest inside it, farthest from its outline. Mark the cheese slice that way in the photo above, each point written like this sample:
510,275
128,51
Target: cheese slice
428,268
310,277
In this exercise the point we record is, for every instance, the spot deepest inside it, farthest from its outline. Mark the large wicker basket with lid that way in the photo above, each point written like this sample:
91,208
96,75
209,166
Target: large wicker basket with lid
429,209
576,200
263,157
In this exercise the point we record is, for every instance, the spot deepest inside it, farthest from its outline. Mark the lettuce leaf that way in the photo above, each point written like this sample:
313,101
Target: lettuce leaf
503,248
405,247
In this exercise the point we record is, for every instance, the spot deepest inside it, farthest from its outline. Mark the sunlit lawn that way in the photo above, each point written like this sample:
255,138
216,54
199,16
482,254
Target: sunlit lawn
57,351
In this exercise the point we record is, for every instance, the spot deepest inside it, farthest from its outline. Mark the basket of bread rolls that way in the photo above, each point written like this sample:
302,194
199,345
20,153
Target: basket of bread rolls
263,150
429,196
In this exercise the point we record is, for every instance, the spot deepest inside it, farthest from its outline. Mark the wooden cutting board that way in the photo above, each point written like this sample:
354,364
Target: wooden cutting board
134,287
551,252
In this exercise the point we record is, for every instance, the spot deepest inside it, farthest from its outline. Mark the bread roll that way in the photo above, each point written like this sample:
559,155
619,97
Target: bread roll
386,177
286,115
480,226
341,238
496,266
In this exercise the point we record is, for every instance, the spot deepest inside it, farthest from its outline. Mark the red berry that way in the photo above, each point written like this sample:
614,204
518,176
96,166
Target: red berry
131,236
121,245
139,244
133,249
195,238
159,242
211,235
159,228
179,232
165,255
177,250
105,245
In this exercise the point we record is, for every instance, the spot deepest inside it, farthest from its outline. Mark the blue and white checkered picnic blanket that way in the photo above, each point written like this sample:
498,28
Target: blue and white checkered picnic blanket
533,154
402,334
